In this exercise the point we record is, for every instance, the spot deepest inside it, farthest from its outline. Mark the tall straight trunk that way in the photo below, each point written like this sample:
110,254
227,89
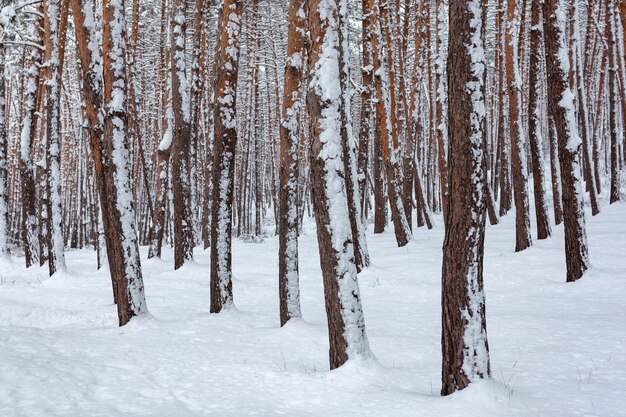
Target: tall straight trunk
561,110
464,334
440,100
503,154
181,138
518,156
4,166
583,114
29,130
380,212
349,145
555,173
288,276
385,108
121,237
55,240
346,326
27,137
367,101
610,35
534,123
224,157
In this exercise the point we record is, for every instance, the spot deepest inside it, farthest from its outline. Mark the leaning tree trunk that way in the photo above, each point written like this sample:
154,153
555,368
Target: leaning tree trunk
288,277
464,334
181,139
346,326
224,157
561,110
121,237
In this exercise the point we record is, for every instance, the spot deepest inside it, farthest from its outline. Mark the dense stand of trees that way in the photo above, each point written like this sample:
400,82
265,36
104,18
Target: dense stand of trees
193,121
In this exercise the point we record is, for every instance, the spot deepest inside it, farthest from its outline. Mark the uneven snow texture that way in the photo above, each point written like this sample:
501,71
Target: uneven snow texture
557,349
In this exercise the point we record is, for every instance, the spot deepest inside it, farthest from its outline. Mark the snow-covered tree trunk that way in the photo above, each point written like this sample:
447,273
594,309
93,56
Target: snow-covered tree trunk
181,138
122,247
583,111
4,167
614,105
348,140
346,326
535,121
288,275
55,240
29,124
367,103
518,155
225,137
385,109
561,111
464,334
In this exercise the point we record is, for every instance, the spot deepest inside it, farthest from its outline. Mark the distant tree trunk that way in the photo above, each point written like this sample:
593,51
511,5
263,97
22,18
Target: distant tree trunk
518,155
367,101
610,35
349,145
55,240
346,326
555,172
583,114
380,205
4,167
464,334
27,137
224,157
385,109
561,110
181,138
121,237
534,122
288,276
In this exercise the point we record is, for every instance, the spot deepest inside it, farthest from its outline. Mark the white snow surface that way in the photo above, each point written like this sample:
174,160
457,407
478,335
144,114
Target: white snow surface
557,349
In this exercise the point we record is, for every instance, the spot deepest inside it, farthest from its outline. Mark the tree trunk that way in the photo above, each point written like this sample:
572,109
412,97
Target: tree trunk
561,111
288,276
181,138
518,155
121,237
224,157
385,109
534,122
55,240
464,334
346,327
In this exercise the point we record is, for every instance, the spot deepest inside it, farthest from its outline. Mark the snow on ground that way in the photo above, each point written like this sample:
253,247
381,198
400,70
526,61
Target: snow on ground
557,349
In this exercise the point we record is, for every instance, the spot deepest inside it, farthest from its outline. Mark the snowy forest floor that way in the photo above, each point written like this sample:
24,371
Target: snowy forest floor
557,349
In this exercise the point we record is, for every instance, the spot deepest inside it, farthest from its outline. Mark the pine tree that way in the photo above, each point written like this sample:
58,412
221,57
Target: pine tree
561,111
288,275
534,121
464,334
325,99
52,151
181,137
122,246
225,137
34,60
